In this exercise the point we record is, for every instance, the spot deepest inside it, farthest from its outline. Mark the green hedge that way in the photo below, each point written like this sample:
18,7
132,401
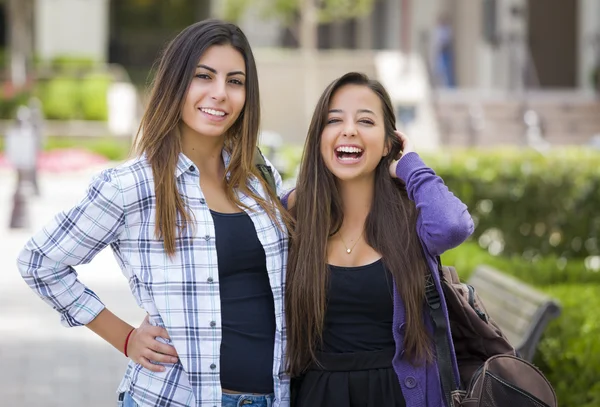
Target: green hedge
73,63
60,98
528,204
70,97
539,271
569,351
114,149
9,103
93,97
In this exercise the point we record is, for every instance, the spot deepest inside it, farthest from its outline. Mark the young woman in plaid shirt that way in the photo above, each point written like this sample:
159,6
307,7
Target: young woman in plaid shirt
197,232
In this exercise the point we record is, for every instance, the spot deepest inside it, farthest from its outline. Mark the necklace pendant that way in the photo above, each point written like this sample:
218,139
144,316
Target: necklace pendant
348,251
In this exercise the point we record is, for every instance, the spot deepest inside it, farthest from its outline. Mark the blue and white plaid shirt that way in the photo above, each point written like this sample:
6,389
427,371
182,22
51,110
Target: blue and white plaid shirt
179,293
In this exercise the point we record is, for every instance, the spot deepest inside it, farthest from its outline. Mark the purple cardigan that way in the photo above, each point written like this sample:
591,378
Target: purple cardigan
443,223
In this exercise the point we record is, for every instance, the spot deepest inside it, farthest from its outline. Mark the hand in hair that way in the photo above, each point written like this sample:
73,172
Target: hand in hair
144,349
407,147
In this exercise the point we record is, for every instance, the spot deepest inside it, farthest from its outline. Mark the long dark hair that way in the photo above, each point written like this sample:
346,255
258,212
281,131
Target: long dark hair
390,229
159,139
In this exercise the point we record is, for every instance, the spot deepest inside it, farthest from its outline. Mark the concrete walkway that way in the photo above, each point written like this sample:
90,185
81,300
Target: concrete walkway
44,363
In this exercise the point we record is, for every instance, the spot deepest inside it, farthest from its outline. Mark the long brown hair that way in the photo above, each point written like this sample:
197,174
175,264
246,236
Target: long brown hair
390,228
158,137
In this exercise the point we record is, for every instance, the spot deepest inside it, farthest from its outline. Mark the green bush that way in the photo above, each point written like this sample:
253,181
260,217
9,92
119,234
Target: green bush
540,271
93,94
70,63
528,204
114,149
286,159
60,98
569,352
68,97
9,103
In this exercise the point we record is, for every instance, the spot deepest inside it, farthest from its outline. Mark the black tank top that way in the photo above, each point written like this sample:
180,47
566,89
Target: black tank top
247,308
360,309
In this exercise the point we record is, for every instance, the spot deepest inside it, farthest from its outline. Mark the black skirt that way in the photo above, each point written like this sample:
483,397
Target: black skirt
361,379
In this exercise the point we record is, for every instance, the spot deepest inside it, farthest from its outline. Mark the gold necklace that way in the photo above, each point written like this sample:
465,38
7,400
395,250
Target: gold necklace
348,251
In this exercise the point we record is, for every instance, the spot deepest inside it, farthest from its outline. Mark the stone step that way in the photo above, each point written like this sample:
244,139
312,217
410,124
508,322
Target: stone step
566,117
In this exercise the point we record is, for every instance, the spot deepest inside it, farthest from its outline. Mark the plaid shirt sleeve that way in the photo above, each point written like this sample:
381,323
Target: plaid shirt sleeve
73,237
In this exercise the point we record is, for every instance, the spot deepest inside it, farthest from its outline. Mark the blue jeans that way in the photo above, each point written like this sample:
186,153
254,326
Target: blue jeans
242,400
228,400
127,401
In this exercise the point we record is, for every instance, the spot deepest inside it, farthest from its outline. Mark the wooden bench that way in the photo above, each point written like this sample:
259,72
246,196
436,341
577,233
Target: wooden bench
520,311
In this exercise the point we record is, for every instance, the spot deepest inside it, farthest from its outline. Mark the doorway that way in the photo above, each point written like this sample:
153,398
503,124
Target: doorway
552,34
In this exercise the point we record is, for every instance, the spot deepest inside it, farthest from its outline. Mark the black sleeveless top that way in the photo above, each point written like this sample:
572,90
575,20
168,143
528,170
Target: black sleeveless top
360,309
247,306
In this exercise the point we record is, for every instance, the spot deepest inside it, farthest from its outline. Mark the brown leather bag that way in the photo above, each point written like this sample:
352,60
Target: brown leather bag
491,373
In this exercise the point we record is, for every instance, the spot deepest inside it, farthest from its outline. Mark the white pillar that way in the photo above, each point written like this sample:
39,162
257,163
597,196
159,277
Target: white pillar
588,28
467,38
511,54
72,27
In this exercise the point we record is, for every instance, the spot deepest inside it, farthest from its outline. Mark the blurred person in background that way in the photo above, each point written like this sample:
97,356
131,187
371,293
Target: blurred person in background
443,53
196,230
371,218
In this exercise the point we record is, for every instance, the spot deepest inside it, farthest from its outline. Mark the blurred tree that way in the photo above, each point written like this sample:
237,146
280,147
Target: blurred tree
302,17
20,34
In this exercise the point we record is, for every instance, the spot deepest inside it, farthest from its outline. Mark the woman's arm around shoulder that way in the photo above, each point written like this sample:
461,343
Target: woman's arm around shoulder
444,221
288,198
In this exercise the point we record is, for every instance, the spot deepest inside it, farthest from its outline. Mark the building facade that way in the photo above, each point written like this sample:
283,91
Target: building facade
497,44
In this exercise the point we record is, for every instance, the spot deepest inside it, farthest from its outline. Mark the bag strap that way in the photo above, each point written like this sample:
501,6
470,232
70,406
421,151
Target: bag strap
442,345
265,171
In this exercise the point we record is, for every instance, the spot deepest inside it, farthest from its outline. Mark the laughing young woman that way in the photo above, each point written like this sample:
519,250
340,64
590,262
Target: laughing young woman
196,231
371,218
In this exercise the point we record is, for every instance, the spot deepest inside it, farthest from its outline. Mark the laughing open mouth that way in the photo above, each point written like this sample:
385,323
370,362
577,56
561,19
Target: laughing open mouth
348,153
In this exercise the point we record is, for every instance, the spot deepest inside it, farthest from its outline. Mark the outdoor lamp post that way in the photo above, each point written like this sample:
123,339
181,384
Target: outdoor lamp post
37,125
21,151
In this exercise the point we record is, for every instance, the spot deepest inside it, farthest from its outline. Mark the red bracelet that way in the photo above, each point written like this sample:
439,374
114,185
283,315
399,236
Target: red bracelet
127,341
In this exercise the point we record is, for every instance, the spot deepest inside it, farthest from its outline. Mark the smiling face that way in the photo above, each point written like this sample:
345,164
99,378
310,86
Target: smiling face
217,93
353,139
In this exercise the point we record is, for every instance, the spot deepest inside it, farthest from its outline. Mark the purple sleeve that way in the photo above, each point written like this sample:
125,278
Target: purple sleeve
285,197
444,221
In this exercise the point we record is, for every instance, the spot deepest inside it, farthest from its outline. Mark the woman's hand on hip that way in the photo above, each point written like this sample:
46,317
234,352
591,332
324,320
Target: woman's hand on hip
407,147
144,349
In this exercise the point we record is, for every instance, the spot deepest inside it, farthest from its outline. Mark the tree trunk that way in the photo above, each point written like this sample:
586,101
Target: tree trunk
20,13
405,30
308,48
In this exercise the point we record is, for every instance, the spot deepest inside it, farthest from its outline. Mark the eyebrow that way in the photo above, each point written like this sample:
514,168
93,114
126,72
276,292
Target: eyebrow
359,111
213,70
